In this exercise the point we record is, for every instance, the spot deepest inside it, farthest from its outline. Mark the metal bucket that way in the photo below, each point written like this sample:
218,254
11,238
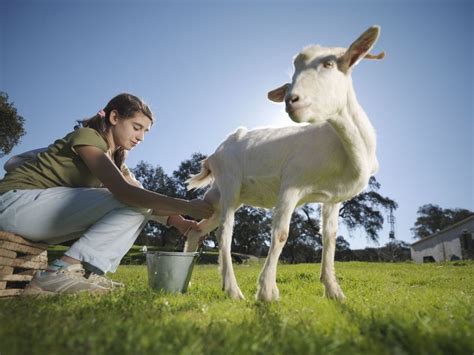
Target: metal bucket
170,271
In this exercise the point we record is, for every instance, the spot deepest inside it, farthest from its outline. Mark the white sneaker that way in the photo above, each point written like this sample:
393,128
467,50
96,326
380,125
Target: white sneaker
103,281
66,280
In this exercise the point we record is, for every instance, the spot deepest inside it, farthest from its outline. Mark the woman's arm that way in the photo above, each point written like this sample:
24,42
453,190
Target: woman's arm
107,172
131,179
182,224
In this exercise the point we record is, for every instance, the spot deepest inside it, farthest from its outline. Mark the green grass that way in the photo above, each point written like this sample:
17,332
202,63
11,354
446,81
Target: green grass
390,309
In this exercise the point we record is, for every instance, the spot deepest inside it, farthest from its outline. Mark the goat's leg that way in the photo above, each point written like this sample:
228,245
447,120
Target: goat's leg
206,225
229,282
193,239
328,275
267,287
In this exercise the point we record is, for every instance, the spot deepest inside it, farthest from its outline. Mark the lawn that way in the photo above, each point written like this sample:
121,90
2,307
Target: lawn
390,309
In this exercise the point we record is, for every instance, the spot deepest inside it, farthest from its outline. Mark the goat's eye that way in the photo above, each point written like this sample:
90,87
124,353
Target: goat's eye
328,64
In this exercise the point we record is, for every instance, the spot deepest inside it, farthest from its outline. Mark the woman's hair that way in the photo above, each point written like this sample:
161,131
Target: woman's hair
127,106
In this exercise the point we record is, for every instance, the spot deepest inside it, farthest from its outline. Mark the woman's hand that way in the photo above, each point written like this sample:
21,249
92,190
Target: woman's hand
200,209
183,225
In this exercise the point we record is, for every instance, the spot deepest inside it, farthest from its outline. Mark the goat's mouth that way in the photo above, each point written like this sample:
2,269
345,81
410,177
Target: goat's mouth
294,108
297,113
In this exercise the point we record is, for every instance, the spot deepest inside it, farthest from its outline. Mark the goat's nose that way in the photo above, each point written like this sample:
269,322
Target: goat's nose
292,99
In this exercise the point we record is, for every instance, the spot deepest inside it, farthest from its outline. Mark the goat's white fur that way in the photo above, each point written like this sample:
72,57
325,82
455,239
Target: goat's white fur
328,161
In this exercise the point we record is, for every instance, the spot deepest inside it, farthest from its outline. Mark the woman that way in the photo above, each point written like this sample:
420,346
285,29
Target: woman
79,187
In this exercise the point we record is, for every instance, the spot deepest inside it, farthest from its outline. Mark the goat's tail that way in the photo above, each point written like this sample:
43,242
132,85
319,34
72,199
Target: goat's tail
202,179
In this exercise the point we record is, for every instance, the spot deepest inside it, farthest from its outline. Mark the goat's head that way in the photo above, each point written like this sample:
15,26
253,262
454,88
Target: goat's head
322,79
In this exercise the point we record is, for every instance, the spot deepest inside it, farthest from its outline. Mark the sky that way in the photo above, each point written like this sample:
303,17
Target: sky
205,68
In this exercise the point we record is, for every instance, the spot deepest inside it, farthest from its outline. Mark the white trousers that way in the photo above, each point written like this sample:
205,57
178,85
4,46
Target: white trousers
106,228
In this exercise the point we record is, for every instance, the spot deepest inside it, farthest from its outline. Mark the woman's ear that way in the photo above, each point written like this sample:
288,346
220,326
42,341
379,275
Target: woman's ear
113,117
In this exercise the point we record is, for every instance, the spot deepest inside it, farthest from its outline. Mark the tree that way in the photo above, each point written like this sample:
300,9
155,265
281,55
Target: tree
186,169
342,244
252,230
395,250
155,179
11,125
432,219
304,237
365,211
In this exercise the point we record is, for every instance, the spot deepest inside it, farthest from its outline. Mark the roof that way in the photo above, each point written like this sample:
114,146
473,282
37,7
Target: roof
455,225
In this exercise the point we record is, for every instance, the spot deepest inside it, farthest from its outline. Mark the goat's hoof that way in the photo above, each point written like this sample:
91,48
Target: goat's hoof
334,293
235,293
268,293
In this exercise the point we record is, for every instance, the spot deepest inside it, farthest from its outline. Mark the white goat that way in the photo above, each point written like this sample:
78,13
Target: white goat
328,161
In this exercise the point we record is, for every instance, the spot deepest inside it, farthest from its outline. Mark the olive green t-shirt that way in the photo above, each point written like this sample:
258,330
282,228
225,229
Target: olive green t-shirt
60,165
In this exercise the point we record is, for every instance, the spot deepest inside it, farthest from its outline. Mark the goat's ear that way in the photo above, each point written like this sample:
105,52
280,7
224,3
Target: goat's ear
278,95
361,47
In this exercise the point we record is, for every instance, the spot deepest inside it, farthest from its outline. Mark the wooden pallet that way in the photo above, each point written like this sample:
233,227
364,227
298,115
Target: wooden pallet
19,261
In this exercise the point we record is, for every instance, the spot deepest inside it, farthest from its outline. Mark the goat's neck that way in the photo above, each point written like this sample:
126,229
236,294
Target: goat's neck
356,134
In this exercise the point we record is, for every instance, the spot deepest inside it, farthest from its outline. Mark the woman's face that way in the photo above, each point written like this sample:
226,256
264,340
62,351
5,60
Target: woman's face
128,132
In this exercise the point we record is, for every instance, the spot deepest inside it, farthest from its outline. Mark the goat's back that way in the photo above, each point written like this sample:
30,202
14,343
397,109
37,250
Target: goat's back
262,159
272,151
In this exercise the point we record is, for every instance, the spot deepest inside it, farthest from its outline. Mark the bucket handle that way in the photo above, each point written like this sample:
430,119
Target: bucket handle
200,251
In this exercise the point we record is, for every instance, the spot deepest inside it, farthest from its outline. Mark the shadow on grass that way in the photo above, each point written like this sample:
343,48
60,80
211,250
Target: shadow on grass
410,335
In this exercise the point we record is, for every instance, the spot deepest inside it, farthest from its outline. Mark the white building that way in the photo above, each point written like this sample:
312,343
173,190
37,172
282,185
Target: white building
453,243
